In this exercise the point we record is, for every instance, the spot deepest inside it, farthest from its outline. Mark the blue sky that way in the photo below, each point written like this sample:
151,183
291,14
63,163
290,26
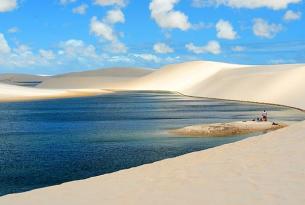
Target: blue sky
56,36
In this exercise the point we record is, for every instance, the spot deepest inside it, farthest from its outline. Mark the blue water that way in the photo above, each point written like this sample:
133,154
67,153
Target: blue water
44,143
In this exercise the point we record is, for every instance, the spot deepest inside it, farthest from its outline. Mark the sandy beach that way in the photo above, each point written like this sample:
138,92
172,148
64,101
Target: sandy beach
228,129
266,169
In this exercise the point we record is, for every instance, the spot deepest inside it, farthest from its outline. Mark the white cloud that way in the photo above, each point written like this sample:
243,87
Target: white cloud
47,54
7,5
264,29
212,47
115,16
148,57
81,9
77,48
162,48
116,47
250,4
64,2
121,3
238,48
166,17
105,29
292,15
4,47
225,30
13,30
101,29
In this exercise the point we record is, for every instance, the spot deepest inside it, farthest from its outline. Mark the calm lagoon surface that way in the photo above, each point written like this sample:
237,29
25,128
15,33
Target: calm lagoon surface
44,143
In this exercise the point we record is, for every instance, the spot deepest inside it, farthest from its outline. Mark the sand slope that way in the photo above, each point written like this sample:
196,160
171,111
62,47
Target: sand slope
283,84
179,76
262,170
112,78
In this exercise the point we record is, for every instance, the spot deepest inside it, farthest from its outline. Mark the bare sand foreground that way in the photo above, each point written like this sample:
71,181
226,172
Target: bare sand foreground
227,129
263,170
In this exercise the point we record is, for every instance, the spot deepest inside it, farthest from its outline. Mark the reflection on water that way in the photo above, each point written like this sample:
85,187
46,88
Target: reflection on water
45,143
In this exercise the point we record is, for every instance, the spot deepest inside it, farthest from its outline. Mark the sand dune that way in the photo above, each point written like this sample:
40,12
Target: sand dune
112,78
227,129
177,77
19,93
21,79
281,84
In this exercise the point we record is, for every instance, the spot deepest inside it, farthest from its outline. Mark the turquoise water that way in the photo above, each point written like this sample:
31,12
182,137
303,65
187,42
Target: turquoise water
44,143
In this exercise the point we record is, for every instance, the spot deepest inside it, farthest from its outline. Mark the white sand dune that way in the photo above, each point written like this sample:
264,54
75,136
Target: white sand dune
21,79
112,78
178,77
267,169
282,84
18,93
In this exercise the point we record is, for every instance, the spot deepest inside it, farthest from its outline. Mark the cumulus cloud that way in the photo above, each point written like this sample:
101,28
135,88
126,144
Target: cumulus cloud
64,2
47,54
22,56
121,3
76,48
292,15
4,47
81,9
115,16
7,5
166,17
264,29
104,29
162,48
250,4
212,47
116,47
225,30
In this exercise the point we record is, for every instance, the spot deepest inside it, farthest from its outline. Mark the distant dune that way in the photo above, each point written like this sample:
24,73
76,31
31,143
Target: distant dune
179,76
270,84
278,84
22,79
102,78
19,93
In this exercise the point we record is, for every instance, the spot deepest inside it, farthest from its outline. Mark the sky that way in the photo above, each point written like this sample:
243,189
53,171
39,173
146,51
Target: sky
58,36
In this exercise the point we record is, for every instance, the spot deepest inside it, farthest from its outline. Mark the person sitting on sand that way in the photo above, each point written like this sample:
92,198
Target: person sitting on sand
264,116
